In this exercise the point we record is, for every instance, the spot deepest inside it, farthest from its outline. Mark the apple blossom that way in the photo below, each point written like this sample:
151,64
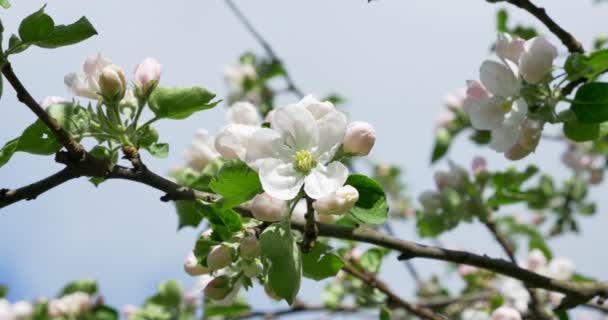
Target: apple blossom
264,207
192,267
243,113
465,270
112,83
338,202
220,256
236,75
6,312
51,100
471,314
536,261
249,248
87,84
359,138
509,48
454,178
22,310
528,140
515,293
231,140
298,150
218,288
506,313
561,268
147,75
536,60
202,151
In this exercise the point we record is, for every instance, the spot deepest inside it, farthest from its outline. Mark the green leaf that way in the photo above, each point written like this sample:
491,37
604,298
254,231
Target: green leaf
65,35
6,153
224,221
71,117
37,26
371,206
385,313
234,310
236,183
580,132
591,103
284,259
502,16
320,263
169,295
371,259
146,136
3,291
38,139
188,215
443,138
587,66
180,102
88,286
103,312
5,4
159,150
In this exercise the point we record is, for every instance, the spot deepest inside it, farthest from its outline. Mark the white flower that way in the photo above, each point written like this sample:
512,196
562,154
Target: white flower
472,314
22,310
267,208
87,84
243,113
201,151
536,61
192,267
359,139
236,75
561,268
536,261
505,313
515,293
6,311
338,202
508,48
529,137
299,149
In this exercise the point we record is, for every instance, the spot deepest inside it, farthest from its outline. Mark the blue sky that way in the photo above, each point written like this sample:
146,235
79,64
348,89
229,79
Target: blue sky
393,60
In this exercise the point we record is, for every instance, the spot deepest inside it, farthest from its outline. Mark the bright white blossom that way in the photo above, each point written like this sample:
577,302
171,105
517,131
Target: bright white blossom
298,150
202,151
359,139
71,304
243,113
472,314
536,261
264,207
22,310
515,293
87,84
561,268
243,121
338,202
147,75
506,313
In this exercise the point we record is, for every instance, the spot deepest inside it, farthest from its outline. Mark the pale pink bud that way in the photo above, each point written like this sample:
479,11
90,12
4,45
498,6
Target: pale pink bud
536,260
51,100
112,83
192,267
338,202
506,313
219,288
465,270
220,256
359,138
147,75
249,248
266,208
479,165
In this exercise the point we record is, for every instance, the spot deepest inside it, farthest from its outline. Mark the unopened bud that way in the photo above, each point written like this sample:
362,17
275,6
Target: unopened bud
147,75
266,208
359,138
249,248
192,267
112,83
220,256
506,313
338,202
479,165
218,288
253,268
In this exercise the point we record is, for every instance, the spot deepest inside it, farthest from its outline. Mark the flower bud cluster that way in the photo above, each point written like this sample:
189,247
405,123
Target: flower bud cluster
583,161
454,179
20,310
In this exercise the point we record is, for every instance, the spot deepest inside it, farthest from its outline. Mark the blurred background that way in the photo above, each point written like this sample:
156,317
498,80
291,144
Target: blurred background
394,61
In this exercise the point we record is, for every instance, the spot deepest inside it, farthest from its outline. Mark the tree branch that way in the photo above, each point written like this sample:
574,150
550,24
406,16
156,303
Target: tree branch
64,137
31,191
393,298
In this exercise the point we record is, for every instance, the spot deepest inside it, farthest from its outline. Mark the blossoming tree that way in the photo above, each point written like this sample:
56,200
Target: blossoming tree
278,195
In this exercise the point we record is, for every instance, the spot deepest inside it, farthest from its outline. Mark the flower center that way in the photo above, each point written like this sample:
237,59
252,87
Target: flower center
506,107
304,162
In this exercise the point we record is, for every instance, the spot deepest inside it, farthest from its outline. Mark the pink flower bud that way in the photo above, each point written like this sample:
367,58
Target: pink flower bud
506,313
112,83
536,260
359,138
147,75
220,256
479,165
192,267
269,209
465,270
249,248
219,288
51,100
338,202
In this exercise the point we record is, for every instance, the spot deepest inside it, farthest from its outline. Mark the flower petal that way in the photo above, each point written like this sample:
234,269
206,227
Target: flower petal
487,114
280,179
508,48
499,79
231,141
266,143
332,128
504,138
324,180
297,126
517,114
243,113
537,60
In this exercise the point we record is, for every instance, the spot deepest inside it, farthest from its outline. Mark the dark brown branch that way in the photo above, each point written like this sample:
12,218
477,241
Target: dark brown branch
31,191
311,230
291,86
393,298
566,37
65,138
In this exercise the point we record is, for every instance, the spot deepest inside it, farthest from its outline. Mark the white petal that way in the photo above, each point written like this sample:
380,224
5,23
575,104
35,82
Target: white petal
487,114
280,179
537,60
517,114
499,79
332,127
266,143
243,113
508,48
231,141
504,138
317,108
324,180
297,126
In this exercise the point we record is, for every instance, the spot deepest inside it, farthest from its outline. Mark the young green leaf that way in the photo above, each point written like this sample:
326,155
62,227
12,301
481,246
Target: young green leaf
236,309
320,263
591,103
285,260
7,151
65,35
580,132
180,102
87,286
159,150
371,259
236,183
169,295
36,26
371,206
38,139
224,221
5,4
188,214
588,66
